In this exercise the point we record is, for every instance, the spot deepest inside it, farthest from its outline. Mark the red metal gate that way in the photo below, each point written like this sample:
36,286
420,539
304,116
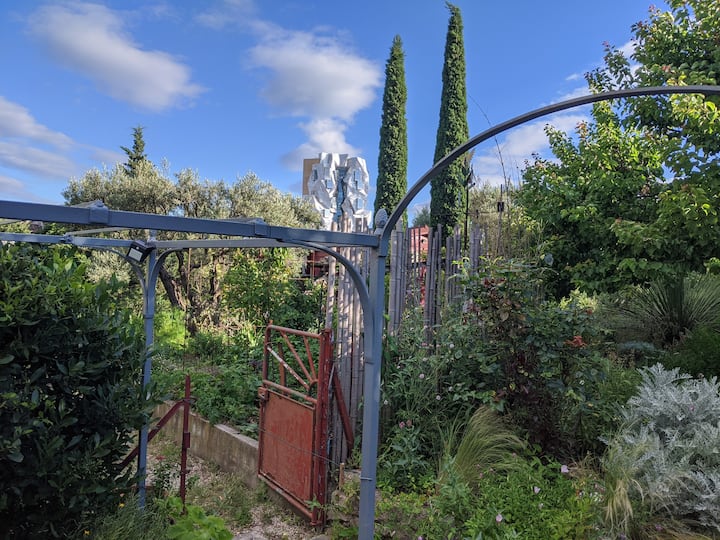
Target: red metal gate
294,404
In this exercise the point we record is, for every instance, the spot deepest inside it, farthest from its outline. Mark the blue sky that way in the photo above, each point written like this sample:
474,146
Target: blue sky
226,87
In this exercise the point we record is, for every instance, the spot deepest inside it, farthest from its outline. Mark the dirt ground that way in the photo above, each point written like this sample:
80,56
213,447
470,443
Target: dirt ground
219,493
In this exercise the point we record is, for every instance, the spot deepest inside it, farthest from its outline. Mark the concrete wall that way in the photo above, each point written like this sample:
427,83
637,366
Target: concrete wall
230,450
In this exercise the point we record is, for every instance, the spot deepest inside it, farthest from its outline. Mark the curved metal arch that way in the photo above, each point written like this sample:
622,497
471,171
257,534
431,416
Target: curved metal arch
521,119
371,417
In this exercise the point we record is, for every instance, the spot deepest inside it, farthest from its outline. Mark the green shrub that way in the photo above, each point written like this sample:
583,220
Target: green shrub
70,394
664,460
190,522
224,393
534,502
698,354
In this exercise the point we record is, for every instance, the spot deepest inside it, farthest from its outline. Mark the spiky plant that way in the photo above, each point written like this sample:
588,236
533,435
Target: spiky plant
665,312
487,444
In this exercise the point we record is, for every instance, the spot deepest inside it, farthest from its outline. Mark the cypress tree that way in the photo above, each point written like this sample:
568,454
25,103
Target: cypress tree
136,155
448,188
392,157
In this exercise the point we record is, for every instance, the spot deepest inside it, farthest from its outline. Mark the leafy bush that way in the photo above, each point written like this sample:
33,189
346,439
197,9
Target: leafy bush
70,392
190,522
534,502
665,459
224,393
698,354
508,348
263,288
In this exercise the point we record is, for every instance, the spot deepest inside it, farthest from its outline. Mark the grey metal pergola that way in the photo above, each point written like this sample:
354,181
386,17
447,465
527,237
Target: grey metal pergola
258,234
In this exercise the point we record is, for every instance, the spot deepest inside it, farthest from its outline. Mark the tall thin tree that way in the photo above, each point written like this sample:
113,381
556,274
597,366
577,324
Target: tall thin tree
393,154
448,188
136,154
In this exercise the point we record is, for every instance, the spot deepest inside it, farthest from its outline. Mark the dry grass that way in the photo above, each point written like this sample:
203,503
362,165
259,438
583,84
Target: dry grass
246,512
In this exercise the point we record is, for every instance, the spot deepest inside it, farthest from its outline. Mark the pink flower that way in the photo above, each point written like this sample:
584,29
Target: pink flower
499,518
564,469
402,425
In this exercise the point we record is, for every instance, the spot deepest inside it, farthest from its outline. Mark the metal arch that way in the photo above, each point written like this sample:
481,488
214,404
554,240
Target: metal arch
371,391
521,119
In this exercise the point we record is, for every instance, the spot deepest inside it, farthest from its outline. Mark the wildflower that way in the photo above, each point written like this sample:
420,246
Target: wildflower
499,518
121,505
451,389
576,341
402,425
540,506
86,532
564,469
451,345
409,423
536,490
422,376
386,402
437,397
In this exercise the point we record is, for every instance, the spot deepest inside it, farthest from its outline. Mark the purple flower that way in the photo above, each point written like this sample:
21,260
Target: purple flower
402,425
564,469
536,490
499,518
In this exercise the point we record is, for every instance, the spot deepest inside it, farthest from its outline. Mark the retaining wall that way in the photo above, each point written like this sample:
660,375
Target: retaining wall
221,444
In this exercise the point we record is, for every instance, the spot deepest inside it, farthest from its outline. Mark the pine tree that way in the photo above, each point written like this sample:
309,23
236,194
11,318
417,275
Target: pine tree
448,188
136,156
392,157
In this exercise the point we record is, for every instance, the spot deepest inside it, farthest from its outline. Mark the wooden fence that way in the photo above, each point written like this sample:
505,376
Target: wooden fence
424,270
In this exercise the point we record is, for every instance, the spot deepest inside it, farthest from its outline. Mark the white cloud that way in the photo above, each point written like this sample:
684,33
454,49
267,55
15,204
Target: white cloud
324,135
628,49
35,160
10,186
90,39
16,121
518,146
107,157
229,13
315,76
575,93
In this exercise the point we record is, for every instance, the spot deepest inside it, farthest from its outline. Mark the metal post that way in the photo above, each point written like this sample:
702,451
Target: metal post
149,283
371,393
185,440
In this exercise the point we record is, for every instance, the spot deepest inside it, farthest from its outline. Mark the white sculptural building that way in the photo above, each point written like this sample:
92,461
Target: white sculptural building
338,187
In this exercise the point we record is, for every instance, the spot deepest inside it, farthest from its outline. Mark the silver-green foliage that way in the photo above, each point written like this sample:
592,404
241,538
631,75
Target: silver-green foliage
669,445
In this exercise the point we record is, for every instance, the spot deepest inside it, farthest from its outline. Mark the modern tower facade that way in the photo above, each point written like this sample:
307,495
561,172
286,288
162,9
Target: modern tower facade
338,187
